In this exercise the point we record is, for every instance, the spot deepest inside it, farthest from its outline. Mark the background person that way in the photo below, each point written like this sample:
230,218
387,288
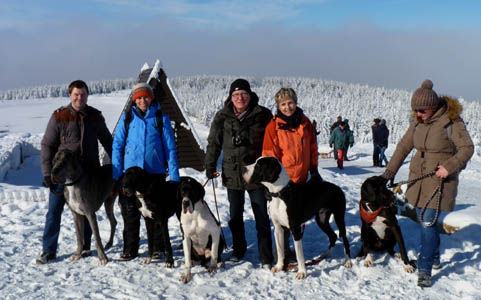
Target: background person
383,135
238,130
76,127
435,151
375,141
341,139
139,142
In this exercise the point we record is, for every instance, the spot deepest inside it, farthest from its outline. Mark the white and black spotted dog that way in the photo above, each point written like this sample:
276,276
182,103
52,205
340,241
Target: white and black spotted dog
202,232
380,230
294,204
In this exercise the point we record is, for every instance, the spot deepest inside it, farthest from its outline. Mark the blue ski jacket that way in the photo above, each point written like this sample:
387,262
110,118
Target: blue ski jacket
145,147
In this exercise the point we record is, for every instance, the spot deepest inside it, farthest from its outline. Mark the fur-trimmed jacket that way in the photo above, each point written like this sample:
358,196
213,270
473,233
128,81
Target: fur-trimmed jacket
76,131
433,148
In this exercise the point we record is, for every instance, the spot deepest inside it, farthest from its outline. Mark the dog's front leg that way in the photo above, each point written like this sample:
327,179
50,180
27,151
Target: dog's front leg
149,226
301,264
408,267
214,252
98,241
79,223
279,239
169,261
187,244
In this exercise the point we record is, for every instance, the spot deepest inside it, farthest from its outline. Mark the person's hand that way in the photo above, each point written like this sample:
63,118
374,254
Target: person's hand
210,173
47,181
330,145
350,145
441,172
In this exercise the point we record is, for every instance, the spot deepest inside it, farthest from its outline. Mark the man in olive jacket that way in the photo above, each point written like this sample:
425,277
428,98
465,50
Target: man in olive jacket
238,131
76,127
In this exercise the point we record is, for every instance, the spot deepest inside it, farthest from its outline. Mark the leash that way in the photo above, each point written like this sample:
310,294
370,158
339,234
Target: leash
438,190
217,174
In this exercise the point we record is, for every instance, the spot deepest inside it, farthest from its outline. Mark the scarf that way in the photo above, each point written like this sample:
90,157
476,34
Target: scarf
293,121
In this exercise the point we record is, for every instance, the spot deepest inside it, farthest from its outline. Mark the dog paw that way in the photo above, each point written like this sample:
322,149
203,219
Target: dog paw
301,275
75,257
348,264
277,268
409,268
186,277
212,269
368,263
169,264
103,261
397,255
146,261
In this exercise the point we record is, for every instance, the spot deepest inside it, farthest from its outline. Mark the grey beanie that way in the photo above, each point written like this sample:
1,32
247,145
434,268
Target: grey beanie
424,97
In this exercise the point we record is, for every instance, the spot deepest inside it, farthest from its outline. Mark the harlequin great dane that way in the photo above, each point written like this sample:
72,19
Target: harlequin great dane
202,232
293,204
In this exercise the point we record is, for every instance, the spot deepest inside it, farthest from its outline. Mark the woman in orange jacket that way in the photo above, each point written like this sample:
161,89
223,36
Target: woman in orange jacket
291,137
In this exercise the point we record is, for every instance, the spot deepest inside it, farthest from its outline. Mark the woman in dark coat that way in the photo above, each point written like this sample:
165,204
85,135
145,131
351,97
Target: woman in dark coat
438,148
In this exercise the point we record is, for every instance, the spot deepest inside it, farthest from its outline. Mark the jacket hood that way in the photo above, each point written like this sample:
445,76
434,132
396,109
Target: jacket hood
451,105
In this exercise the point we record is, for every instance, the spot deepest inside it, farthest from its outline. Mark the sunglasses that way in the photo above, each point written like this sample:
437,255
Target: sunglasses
421,111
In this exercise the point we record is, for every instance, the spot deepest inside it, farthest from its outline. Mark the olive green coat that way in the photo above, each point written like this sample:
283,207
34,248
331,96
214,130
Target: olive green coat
433,148
250,133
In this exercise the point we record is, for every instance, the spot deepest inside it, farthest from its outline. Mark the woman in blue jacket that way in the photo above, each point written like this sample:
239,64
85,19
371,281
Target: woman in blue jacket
141,141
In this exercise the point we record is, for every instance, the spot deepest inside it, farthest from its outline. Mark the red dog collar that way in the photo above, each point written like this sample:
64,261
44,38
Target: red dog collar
369,217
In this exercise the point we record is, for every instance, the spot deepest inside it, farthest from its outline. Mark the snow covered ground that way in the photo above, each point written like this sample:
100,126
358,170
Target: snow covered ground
23,205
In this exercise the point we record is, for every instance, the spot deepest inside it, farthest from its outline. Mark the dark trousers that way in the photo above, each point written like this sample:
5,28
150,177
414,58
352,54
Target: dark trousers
131,216
375,155
56,202
263,226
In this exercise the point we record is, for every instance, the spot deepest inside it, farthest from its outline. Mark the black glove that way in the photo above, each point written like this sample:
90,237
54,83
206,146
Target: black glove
315,174
330,145
210,173
389,176
350,145
47,181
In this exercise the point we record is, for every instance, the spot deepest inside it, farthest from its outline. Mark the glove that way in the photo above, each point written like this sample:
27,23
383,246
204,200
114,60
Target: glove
350,145
210,173
389,176
315,174
47,181
330,145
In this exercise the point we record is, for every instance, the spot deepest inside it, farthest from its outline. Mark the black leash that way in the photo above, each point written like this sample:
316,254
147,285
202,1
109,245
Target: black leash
438,190
217,174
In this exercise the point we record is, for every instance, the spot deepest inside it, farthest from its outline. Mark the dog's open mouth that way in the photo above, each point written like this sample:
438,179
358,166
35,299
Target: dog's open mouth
186,205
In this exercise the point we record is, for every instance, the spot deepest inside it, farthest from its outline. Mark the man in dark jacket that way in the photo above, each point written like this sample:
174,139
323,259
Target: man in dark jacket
76,127
382,138
238,131
375,141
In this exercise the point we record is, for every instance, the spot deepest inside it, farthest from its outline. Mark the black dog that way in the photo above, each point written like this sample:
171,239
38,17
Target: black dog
380,230
293,204
157,202
203,240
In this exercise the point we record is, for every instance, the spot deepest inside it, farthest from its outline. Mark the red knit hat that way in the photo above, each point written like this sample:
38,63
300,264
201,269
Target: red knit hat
142,90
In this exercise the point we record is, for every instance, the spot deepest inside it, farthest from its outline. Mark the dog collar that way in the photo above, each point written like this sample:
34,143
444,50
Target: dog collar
73,182
278,194
369,217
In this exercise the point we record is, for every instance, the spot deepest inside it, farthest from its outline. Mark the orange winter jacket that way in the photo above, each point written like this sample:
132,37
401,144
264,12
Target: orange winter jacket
295,148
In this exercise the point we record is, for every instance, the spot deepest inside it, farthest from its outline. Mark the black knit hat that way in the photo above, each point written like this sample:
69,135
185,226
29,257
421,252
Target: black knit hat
424,97
240,84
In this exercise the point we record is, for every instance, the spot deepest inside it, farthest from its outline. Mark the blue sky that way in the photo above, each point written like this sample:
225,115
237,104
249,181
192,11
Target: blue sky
395,43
